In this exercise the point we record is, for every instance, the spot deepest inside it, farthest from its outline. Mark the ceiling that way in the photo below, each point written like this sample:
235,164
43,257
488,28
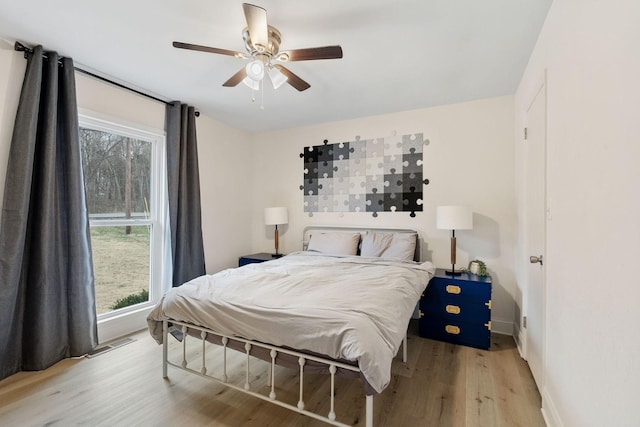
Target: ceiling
398,55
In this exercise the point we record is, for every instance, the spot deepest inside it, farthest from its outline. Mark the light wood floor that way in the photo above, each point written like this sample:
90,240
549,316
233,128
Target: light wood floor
441,385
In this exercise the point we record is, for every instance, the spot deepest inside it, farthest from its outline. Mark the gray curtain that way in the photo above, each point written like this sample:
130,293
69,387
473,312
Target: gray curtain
47,298
187,247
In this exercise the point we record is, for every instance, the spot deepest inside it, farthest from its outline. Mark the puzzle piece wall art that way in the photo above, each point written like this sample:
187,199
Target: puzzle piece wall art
373,175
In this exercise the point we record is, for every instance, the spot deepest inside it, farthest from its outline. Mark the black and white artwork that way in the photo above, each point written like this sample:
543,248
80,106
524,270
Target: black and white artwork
372,175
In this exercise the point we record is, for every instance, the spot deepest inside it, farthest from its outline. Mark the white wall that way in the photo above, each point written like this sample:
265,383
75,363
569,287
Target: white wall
113,102
227,190
469,161
12,68
590,52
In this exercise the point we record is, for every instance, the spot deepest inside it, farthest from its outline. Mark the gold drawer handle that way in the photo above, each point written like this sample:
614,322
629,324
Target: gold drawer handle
453,289
450,329
488,304
452,309
488,325
420,314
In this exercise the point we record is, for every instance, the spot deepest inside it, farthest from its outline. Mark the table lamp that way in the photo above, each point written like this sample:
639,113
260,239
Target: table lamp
453,218
275,216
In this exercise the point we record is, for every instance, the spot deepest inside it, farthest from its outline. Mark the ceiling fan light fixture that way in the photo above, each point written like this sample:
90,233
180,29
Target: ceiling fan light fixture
253,84
255,70
277,78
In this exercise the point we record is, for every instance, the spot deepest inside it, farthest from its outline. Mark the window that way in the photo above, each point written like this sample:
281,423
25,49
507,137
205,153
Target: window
124,171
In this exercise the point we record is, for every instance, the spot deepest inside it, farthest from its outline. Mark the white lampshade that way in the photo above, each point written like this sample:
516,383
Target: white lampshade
253,84
255,70
275,216
454,218
277,78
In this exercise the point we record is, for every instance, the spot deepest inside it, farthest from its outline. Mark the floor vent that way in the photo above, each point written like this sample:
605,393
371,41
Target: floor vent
108,347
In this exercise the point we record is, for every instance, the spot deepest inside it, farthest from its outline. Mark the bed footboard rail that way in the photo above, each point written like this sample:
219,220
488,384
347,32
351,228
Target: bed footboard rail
274,352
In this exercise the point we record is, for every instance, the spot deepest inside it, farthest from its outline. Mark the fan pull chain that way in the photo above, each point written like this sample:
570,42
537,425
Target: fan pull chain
262,94
261,89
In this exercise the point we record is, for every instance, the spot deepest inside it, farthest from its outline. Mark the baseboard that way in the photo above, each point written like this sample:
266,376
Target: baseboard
521,338
501,327
549,411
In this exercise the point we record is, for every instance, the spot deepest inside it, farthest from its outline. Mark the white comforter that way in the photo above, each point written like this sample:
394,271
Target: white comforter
351,308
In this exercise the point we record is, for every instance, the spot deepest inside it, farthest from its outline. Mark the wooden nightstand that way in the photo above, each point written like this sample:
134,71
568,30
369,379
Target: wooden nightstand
457,309
253,258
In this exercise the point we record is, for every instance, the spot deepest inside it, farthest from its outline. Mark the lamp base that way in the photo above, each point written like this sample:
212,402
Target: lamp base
276,255
453,272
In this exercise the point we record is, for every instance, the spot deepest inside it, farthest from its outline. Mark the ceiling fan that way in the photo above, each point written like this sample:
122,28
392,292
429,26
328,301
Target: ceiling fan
262,42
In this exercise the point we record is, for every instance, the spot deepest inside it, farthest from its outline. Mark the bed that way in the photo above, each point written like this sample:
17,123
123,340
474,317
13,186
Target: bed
341,306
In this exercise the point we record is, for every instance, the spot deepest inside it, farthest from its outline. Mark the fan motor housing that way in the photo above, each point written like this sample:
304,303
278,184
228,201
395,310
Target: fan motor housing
274,42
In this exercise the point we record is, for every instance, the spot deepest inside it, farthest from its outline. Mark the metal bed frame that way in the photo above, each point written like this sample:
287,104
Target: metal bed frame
274,352
189,330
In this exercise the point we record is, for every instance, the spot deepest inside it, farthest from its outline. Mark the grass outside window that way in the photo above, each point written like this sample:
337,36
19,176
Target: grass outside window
121,265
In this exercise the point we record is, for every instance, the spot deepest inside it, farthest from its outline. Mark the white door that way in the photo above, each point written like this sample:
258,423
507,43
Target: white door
535,218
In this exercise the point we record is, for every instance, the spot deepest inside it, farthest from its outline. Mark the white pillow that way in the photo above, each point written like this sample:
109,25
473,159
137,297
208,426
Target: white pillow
389,245
334,243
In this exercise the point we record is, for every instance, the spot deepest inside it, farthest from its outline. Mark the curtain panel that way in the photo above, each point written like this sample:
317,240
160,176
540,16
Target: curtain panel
187,247
47,296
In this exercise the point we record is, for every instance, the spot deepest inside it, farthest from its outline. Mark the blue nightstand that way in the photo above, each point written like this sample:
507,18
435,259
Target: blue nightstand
259,257
457,309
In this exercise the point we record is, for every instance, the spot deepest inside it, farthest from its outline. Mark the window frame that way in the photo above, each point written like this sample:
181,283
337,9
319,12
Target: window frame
159,245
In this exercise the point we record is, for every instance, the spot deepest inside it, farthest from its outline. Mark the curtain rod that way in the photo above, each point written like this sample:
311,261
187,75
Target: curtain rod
27,50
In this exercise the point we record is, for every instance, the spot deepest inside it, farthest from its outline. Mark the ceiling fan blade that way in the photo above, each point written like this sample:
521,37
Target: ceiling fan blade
189,46
293,79
257,23
236,78
324,52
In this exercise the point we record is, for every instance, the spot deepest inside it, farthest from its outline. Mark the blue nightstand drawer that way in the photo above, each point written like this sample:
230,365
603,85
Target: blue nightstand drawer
457,310
445,289
466,333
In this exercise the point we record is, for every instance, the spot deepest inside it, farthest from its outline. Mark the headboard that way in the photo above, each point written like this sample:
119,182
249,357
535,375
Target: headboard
310,229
